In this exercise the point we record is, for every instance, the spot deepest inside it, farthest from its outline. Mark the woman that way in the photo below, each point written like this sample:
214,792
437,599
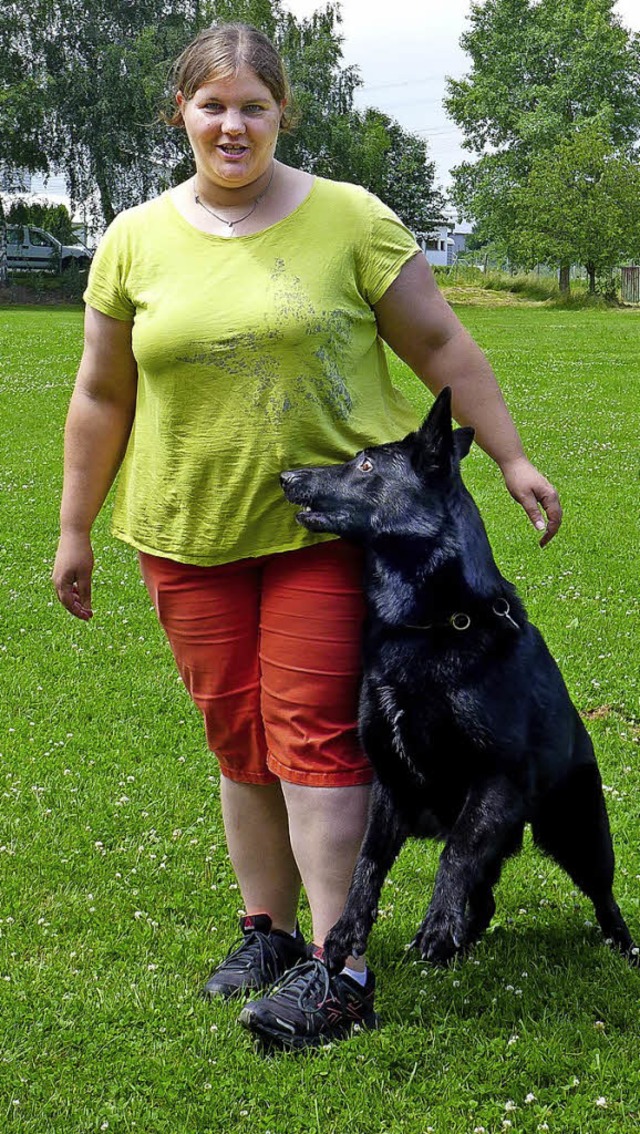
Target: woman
233,329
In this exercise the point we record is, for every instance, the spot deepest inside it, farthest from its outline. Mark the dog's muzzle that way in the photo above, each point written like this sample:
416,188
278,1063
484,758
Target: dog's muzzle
295,486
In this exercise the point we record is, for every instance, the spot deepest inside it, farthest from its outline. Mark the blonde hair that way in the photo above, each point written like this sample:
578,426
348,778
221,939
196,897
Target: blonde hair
220,52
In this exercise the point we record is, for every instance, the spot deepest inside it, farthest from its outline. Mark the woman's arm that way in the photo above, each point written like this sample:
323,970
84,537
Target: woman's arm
96,434
418,324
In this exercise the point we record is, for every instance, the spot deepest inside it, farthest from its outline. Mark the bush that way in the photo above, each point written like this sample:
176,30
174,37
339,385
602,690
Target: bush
44,287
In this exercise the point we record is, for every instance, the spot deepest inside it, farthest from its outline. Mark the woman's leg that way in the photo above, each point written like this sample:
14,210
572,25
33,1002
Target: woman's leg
310,651
210,616
326,827
257,829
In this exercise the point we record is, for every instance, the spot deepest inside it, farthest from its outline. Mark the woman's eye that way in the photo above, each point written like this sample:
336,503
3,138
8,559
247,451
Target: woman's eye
365,465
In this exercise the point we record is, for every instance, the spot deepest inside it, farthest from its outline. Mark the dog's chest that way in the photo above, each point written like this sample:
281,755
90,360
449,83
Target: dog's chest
435,724
416,755
421,730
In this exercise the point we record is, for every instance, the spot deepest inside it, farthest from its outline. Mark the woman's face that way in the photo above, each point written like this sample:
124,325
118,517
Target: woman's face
232,126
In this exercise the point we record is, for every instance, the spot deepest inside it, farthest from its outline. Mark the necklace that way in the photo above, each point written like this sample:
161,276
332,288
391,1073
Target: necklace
223,220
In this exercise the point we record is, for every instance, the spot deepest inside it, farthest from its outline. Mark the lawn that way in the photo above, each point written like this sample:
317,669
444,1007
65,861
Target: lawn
116,894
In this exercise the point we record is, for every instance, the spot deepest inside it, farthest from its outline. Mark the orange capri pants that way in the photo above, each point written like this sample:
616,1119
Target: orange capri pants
270,651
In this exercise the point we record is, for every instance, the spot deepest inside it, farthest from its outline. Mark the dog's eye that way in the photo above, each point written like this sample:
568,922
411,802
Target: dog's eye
365,465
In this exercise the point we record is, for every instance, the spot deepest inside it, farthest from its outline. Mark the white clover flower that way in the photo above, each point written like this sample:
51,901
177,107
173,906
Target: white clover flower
530,1097
510,1105
601,1102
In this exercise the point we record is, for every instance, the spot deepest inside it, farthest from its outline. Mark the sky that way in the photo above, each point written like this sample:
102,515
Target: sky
405,49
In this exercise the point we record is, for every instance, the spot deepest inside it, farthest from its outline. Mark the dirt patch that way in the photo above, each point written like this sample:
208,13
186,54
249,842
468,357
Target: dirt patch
484,297
598,713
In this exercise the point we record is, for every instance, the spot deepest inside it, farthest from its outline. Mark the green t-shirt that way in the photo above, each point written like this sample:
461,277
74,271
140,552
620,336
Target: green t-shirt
255,354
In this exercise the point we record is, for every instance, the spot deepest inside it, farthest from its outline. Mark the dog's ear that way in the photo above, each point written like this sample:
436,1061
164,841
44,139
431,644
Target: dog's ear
436,430
462,441
435,435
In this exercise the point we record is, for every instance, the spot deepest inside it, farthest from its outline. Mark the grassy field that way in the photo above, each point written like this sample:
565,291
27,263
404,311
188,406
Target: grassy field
115,891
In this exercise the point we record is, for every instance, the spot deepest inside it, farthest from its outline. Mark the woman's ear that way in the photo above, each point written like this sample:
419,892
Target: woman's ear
180,100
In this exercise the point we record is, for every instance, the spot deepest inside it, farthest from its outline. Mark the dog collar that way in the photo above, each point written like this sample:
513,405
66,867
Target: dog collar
461,621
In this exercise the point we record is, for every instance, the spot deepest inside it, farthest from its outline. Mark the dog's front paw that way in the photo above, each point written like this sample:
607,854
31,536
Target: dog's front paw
346,939
441,936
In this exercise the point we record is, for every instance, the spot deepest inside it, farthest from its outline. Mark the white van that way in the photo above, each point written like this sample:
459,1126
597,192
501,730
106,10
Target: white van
30,248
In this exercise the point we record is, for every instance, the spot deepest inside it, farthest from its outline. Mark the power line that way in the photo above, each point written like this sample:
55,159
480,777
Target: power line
434,131
402,83
412,102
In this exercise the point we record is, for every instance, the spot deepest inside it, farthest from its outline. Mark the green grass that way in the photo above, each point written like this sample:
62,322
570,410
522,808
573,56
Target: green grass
116,894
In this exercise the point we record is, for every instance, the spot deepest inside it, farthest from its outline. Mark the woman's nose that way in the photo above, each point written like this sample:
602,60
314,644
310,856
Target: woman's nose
233,122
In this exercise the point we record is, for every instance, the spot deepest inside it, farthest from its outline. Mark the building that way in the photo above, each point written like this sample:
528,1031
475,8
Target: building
437,244
444,242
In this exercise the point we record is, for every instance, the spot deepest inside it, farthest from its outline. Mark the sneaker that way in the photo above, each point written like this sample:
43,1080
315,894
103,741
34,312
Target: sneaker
262,956
308,1006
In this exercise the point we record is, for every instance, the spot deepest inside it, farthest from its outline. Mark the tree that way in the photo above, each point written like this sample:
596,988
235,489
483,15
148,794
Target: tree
540,70
55,219
334,140
580,204
370,149
22,112
97,75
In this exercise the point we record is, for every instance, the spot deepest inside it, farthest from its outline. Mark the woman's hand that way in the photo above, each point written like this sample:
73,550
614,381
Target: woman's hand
533,491
72,574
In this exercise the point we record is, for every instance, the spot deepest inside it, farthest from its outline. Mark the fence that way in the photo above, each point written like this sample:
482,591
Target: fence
630,286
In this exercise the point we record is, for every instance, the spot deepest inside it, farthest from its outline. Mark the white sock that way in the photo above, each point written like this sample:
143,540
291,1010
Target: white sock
359,976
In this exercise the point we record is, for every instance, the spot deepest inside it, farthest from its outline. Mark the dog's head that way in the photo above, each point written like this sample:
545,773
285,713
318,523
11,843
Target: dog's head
400,488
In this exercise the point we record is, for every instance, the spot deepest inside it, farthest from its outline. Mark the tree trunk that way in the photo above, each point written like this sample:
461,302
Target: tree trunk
3,247
564,279
106,203
591,273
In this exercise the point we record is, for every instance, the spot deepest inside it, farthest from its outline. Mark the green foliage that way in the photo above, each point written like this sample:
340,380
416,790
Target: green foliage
541,72
91,76
22,97
116,892
55,219
334,140
540,67
580,204
368,148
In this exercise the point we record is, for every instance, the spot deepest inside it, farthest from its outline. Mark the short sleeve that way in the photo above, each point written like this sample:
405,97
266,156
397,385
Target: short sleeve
106,287
390,246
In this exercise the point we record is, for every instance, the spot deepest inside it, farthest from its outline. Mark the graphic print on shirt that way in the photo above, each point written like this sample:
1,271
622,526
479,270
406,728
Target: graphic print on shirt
258,354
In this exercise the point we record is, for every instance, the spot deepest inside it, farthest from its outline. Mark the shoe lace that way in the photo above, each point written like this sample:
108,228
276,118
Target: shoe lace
304,980
253,947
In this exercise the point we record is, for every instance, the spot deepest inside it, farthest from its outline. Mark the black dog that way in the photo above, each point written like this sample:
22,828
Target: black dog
463,712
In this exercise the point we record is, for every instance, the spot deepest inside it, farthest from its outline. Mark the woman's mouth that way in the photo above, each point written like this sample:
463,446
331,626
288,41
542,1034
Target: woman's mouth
233,150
